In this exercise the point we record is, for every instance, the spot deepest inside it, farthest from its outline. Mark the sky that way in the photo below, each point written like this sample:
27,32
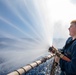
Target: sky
18,18
36,18
61,12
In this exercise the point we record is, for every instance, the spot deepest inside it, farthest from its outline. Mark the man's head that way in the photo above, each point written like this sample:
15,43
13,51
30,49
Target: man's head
72,28
73,21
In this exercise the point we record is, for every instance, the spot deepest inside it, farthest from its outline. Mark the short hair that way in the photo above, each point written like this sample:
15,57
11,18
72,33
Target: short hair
73,21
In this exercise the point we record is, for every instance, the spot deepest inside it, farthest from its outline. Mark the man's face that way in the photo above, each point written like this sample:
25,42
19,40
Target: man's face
72,30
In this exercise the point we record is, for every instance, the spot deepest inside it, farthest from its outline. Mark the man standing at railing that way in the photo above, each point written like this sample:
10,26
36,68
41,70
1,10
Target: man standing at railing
69,50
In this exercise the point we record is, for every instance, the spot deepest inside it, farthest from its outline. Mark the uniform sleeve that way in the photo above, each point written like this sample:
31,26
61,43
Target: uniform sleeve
70,67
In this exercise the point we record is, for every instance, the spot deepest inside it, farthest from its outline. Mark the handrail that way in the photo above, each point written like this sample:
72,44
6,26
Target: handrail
28,67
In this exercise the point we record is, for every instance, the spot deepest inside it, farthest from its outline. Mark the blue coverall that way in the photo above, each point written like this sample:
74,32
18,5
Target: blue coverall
69,50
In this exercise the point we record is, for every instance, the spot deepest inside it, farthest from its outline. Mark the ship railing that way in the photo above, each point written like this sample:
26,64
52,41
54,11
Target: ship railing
35,66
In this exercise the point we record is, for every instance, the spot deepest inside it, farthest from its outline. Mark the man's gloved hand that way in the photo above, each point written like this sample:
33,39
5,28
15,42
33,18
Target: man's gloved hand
56,59
55,51
58,54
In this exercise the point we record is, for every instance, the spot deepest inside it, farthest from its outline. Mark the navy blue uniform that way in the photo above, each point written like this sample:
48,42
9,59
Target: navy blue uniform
69,50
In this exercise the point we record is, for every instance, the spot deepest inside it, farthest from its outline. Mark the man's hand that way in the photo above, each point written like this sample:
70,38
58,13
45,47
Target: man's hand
57,59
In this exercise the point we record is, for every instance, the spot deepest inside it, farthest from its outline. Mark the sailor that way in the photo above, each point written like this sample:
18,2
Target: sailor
69,50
